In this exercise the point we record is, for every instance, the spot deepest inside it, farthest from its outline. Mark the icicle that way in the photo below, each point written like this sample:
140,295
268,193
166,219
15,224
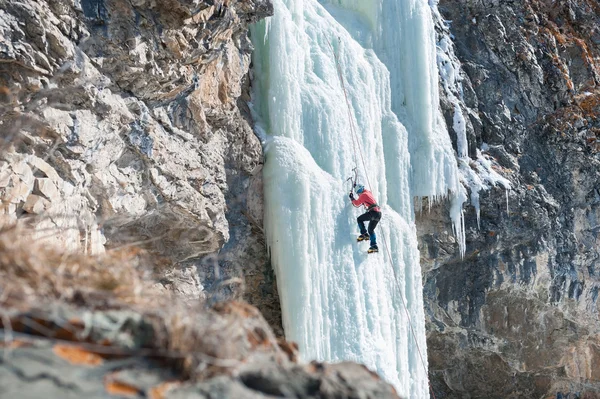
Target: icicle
478,174
458,219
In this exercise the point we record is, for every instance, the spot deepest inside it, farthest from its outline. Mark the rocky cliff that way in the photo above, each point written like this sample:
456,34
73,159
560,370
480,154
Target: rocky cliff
518,316
121,126
75,326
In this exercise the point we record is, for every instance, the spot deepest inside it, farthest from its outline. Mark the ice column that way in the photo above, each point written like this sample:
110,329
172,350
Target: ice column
338,302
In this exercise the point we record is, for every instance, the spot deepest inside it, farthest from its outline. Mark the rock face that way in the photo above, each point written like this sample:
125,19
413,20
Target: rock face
251,365
38,369
519,315
120,125
73,325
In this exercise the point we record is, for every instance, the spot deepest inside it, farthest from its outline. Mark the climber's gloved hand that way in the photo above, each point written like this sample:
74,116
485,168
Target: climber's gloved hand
351,196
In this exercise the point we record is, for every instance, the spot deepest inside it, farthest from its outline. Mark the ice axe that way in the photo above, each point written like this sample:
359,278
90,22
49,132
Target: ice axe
353,179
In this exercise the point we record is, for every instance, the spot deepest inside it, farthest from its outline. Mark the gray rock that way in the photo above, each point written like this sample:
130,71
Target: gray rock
126,130
36,371
518,316
343,380
225,352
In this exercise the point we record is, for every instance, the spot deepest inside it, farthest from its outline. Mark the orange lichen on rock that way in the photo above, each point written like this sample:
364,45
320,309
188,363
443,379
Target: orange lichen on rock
77,355
161,391
556,33
589,103
120,388
258,337
560,33
556,60
290,348
14,344
240,309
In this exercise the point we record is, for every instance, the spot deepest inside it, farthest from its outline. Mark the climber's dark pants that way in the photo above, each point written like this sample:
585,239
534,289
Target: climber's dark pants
373,217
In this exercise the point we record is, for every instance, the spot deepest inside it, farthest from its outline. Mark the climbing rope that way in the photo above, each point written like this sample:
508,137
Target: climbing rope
387,249
355,141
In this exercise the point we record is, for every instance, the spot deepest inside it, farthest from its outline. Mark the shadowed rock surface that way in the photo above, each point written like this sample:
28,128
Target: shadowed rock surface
237,363
72,325
518,316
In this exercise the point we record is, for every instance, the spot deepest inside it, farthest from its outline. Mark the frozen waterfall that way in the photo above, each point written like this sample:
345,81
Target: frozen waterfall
337,302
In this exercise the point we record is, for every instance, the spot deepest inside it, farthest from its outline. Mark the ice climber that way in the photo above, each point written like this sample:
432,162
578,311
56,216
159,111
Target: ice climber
373,215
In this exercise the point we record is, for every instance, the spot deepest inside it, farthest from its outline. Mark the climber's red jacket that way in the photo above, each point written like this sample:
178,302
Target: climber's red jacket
366,198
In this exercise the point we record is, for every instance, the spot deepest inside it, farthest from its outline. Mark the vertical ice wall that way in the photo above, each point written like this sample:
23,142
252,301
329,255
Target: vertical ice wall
403,36
337,302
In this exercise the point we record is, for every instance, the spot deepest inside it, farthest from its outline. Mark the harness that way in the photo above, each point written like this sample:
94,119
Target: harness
372,206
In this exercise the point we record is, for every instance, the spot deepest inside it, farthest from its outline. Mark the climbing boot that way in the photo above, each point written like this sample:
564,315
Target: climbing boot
373,249
363,237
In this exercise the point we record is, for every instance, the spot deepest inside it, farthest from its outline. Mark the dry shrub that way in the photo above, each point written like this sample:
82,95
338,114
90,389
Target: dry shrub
195,340
30,272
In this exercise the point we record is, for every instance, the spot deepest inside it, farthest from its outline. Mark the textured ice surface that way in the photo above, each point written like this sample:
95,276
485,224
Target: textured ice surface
338,302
